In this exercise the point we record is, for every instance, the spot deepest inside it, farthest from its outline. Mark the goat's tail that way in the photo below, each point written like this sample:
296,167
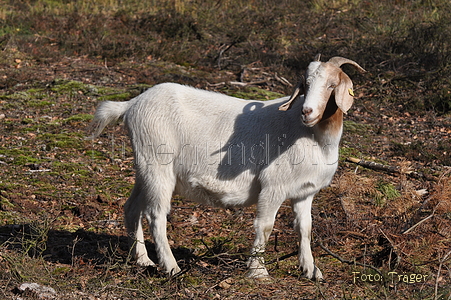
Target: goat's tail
106,113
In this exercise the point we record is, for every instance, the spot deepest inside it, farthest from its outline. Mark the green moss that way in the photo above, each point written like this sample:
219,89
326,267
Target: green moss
79,118
385,191
5,203
61,140
40,103
116,97
72,86
35,128
71,168
20,156
27,121
192,280
61,271
24,160
346,152
388,190
355,128
95,154
9,217
253,93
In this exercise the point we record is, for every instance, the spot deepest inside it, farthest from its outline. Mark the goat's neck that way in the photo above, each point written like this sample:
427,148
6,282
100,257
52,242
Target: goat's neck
329,129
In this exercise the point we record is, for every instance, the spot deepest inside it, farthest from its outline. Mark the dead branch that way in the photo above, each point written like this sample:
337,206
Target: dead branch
259,82
349,262
283,257
389,169
282,80
224,49
216,84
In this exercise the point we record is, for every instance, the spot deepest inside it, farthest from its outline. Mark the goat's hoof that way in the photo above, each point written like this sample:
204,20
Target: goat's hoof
264,279
174,271
258,273
314,275
145,262
317,275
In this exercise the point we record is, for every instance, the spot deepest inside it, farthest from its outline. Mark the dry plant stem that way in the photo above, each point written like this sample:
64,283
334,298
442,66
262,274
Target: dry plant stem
425,219
419,223
349,262
221,52
445,258
216,84
283,257
398,258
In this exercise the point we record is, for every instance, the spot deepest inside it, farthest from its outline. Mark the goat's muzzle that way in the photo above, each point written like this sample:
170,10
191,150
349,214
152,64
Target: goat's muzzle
307,117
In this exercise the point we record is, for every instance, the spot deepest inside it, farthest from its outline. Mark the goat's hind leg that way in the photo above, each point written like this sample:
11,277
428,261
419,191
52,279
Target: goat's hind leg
160,185
157,217
134,211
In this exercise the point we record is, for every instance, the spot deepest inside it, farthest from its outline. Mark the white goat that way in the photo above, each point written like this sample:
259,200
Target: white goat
231,152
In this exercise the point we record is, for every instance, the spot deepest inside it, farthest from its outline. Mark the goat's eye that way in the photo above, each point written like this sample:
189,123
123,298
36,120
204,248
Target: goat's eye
332,86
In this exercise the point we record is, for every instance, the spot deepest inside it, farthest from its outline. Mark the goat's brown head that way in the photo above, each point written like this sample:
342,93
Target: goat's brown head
323,80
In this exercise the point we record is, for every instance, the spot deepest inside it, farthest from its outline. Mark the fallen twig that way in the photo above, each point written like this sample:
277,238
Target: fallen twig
40,170
420,222
260,82
282,80
349,262
373,165
283,257
216,84
389,169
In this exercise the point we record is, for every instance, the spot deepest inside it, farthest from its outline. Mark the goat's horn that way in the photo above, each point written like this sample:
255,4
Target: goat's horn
317,57
338,61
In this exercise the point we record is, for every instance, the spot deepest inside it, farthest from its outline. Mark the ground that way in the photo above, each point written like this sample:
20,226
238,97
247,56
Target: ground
376,234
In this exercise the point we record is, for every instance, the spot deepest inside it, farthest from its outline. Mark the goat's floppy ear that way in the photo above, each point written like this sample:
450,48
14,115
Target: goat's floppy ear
299,90
344,93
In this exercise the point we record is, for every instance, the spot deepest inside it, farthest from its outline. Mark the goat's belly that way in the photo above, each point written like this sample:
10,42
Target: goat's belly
211,191
299,181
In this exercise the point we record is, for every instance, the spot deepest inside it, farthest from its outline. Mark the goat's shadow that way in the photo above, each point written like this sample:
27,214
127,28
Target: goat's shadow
79,247
257,139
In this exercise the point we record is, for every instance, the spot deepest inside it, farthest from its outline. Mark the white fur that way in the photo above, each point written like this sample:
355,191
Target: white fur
227,152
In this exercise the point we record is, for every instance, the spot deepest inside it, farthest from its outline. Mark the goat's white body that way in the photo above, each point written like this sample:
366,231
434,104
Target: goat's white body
222,150
227,152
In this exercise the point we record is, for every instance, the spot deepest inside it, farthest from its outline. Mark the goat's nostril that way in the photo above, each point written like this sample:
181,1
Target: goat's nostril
307,111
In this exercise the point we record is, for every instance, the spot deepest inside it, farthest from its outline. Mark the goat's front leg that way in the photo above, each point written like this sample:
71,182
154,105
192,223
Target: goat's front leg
302,209
264,223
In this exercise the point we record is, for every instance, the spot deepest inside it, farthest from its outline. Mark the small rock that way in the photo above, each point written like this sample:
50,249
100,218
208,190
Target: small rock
41,292
2,116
